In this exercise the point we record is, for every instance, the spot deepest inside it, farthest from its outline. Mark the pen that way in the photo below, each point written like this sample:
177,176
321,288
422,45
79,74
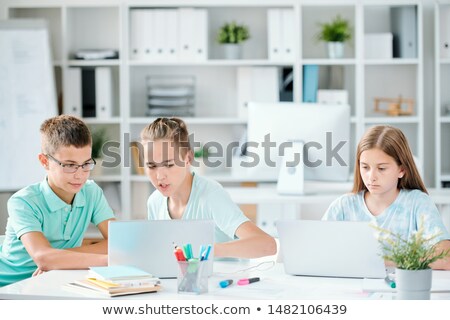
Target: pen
244,282
225,283
390,282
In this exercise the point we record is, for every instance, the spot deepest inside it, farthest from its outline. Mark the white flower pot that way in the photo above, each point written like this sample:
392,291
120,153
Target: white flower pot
413,284
335,50
231,51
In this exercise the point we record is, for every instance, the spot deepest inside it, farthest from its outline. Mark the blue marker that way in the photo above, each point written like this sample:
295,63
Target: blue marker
390,282
225,283
206,253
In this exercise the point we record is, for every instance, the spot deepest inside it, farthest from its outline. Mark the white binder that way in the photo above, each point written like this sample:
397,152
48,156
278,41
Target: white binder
171,37
72,90
103,92
200,35
274,34
288,33
137,34
444,39
149,32
256,84
186,34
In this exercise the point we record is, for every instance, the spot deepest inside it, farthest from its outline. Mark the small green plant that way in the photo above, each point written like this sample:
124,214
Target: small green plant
415,253
233,33
338,30
99,137
201,153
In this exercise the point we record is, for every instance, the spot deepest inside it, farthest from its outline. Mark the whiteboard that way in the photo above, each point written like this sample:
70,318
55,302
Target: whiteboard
27,98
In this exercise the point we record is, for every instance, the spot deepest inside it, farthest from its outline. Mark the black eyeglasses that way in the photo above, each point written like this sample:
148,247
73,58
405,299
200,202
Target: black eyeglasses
72,168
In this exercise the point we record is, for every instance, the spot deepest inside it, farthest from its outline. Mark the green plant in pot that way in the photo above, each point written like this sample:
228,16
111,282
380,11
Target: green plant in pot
335,34
99,138
412,258
231,35
199,165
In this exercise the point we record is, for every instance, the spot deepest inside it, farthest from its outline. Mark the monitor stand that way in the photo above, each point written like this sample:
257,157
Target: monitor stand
291,179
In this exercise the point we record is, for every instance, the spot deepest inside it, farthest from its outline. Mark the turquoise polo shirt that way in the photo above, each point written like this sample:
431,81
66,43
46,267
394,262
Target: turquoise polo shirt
38,208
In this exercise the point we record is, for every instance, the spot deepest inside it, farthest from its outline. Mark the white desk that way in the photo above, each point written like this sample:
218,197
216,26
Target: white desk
274,285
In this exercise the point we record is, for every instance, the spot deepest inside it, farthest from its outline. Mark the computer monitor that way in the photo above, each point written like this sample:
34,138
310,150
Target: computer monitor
323,129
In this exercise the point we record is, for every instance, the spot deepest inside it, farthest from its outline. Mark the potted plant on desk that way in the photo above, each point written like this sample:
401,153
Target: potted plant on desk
231,36
335,34
412,258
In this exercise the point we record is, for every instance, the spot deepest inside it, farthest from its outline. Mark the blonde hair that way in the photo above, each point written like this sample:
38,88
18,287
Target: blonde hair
64,131
393,142
172,129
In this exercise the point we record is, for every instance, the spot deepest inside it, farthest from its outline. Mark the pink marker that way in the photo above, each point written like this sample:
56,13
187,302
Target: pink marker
244,282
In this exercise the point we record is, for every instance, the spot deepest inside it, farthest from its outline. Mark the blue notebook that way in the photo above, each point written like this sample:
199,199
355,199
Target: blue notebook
119,272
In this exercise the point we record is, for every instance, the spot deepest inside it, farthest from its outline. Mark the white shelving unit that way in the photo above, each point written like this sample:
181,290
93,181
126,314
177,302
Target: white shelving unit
106,24
442,96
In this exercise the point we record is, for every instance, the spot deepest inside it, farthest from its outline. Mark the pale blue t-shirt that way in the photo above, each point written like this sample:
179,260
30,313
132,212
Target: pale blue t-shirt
402,217
38,208
207,201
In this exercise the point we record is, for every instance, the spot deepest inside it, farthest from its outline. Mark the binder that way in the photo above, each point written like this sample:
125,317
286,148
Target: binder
444,25
88,92
310,82
274,34
404,29
186,34
72,92
137,34
103,92
288,34
171,34
149,31
201,35
159,34
256,84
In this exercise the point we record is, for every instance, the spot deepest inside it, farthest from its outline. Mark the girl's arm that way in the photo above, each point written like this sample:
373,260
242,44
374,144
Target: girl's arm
442,264
252,243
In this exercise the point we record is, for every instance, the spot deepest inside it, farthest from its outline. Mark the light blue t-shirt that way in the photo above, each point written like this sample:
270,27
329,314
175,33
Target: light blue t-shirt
207,201
38,208
402,217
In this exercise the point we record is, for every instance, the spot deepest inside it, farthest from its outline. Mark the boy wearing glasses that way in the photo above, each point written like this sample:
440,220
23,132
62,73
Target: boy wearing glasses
47,220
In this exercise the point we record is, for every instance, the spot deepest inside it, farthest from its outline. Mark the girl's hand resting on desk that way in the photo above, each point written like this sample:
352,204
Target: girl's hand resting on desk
38,272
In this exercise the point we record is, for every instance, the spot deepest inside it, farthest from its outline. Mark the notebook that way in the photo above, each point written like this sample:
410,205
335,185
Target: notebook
330,248
149,245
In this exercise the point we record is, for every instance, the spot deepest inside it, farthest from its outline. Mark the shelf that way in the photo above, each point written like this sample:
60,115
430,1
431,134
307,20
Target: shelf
445,119
199,120
412,120
114,120
327,62
393,61
93,63
211,63
445,61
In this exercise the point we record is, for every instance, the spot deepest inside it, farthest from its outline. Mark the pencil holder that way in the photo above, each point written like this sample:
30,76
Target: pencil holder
192,277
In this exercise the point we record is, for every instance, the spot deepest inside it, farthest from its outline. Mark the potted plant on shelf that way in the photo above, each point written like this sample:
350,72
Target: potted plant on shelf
231,36
199,165
412,258
99,137
335,34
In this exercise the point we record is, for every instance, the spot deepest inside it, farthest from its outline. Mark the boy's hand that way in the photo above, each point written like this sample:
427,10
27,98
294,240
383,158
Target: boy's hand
38,272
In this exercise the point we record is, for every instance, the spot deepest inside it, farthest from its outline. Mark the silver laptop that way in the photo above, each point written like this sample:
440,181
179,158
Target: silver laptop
149,245
330,248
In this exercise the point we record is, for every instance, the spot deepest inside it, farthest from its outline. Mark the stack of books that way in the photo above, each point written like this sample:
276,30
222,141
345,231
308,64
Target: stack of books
115,281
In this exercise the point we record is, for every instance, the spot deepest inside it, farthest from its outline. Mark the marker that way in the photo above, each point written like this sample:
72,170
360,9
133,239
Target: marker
390,282
206,253
225,283
244,282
